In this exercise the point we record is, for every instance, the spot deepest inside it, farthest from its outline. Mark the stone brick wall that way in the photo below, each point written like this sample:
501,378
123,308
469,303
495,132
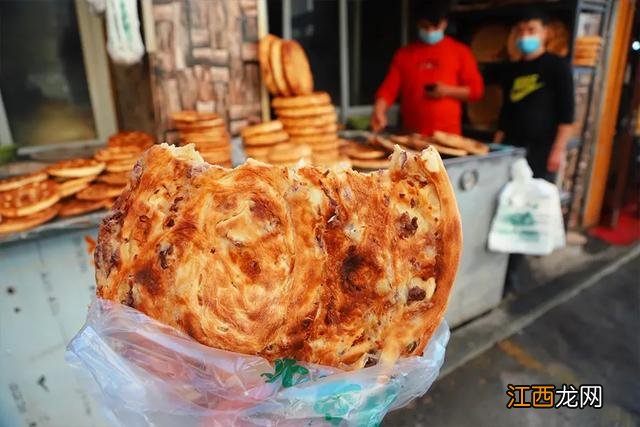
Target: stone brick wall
206,59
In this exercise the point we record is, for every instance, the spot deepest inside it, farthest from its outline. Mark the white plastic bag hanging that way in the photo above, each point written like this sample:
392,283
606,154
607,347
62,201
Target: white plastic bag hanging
529,215
148,374
124,42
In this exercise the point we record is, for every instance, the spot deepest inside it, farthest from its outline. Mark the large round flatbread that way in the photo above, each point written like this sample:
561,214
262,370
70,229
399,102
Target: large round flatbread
316,98
288,152
275,61
76,168
264,48
312,130
266,138
260,128
29,199
14,225
297,71
313,140
18,181
73,186
131,138
118,153
331,267
100,191
74,207
312,111
115,178
321,120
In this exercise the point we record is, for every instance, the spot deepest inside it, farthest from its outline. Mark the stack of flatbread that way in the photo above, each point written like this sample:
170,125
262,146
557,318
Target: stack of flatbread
443,141
311,120
365,156
269,142
208,132
27,201
71,187
587,51
79,191
284,66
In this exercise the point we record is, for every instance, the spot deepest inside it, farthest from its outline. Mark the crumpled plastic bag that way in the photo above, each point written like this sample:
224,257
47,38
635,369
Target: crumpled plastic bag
146,373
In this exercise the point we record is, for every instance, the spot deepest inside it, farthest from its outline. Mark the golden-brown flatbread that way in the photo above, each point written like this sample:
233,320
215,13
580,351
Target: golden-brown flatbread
18,181
275,62
14,225
72,186
312,130
322,138
312,111
316,98
297,71
29,199
457,141
448,151
116,178
191,117
266,138
321,120
118,153
118,166
73,207
261,128
332,267
76,168
258,152
139,139
287,153
363,152
370,164
100,191
264,48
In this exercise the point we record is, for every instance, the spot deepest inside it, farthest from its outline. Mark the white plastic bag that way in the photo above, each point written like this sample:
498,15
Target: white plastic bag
124,42
529,215
148,374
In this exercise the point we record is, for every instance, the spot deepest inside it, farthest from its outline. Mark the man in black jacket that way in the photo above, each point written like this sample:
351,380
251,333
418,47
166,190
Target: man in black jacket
537,112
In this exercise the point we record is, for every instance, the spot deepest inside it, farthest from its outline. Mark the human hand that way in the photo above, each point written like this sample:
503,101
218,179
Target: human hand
555,159
439,90
379,116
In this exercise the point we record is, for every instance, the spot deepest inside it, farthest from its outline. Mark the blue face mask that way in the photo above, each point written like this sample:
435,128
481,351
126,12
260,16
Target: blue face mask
529,44
430,37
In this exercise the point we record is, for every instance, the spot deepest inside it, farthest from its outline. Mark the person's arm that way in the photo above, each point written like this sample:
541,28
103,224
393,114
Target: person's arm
565,101
470,85
386,94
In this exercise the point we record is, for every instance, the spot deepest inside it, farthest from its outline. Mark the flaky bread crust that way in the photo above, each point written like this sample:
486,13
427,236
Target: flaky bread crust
332,267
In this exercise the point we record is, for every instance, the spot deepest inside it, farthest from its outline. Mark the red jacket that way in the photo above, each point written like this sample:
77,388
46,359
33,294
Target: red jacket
419,64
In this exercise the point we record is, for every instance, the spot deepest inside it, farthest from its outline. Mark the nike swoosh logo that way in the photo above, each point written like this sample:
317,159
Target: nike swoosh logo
521,93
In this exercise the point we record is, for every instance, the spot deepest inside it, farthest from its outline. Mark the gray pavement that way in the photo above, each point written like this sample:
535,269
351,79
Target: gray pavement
591,335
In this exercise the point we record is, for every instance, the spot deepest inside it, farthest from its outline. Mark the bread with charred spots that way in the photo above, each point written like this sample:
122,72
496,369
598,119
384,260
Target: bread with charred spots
338,268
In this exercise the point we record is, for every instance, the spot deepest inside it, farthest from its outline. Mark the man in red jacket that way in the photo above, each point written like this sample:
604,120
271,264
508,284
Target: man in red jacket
432,76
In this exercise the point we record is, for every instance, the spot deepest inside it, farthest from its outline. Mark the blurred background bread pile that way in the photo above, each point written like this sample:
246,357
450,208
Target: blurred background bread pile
308,117
208,132
270,143
587,50
70,187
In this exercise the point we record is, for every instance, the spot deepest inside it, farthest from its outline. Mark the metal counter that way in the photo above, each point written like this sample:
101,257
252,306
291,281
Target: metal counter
47,280
477,181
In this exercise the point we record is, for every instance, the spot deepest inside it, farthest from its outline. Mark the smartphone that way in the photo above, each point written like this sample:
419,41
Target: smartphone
429,88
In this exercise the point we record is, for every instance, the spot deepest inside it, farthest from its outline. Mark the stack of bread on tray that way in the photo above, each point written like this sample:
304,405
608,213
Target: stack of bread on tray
70,187
309,118
587,50
268,142
374,152
208,132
